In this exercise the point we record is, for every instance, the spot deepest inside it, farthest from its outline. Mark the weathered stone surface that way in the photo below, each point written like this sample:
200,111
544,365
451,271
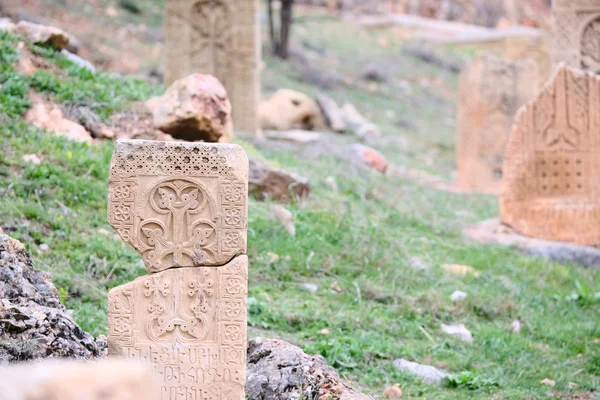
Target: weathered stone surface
369,157
33,322
550,168
46,115
179,204
288,109
6,25
491,91
298,136
358,124
494,232
426,373
331,113
190,324
279,370
268,182
42,34
83,63
530,47
113,379
576,33
195,108
220,38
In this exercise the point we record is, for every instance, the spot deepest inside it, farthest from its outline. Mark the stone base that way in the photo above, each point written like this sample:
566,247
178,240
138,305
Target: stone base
494,232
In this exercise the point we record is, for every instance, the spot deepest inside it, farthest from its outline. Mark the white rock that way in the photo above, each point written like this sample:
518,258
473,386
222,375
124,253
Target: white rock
311,287
32,158
285,217
44,248
458,296
417,264
516,326
83,63
427,373
459,331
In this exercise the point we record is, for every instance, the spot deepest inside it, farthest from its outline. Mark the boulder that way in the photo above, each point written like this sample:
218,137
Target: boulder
370,157
81,62
265,181
358,124
113,379
331,113
33,322
287,110
194,108
281,371
43,34
427,373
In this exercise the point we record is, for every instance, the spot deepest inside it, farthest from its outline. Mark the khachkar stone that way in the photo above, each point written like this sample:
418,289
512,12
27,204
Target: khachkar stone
576,29
491,91
551,167
220,38
183,206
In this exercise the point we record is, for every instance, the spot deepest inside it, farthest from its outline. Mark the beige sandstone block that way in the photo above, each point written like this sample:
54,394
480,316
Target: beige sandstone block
218,38
576,33
190,324
491,91
179,204
550,188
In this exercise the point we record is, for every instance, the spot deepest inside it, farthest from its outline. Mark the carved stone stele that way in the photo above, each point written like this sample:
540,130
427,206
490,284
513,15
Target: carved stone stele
190,325
491,91
219,38
576,29
551,166
179,204
532,47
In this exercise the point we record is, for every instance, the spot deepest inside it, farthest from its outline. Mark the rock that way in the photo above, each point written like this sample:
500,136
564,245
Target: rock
74,45
113,379
268,182
285,217
32,158
43,34
368,156
393,392
417,264
427,373
336,287
460,270
516,327
458,296
288,109
311,287
78,60
43,114
374,72
6,25
44,248
195,108
273,257
296,136
548,382
281,371
459,331
332,115
33,322
357,124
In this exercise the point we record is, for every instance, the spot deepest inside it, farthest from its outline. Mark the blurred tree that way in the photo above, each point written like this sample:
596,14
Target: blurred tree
280,37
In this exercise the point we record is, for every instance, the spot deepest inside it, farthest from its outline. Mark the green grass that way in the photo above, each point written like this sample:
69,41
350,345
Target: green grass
360,236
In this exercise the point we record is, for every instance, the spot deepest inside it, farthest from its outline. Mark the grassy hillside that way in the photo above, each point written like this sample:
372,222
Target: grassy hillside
356,241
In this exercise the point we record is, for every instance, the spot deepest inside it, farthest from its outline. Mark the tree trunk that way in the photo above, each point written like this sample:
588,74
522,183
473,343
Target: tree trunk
274,41
284,28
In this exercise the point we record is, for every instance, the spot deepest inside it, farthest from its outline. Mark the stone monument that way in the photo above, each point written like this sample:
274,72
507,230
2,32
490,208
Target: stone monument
183,207
220,38
530,47
491,91
576,28
551,165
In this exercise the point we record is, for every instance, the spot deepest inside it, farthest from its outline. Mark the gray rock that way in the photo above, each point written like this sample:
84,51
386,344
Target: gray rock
78,60
426,373
33,322
311,287
265,181
278,370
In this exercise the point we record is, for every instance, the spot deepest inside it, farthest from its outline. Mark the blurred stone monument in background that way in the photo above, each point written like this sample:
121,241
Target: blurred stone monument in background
219,38
491,91
183,207
576,29
551,167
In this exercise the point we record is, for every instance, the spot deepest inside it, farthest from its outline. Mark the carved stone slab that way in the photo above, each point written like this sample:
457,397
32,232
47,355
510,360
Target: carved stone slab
550,188
190,324
491,91
220,38
532,47
576,28
179,204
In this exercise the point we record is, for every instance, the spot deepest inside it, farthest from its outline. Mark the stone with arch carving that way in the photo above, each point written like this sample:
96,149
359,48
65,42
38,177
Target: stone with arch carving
179,204
189,324
551,164
491,91
576,29
219,38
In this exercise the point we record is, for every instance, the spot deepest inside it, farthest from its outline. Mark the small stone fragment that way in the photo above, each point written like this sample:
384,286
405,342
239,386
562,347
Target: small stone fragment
548,382
298,136
195,108
370,157
458,296
285,217
324,331
393,392
32,158
461,270
572,385
356,123
311,287
417,264
516,327
426,373
42,34
459,331
273,257
331,113
78,60
44,248
335,286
